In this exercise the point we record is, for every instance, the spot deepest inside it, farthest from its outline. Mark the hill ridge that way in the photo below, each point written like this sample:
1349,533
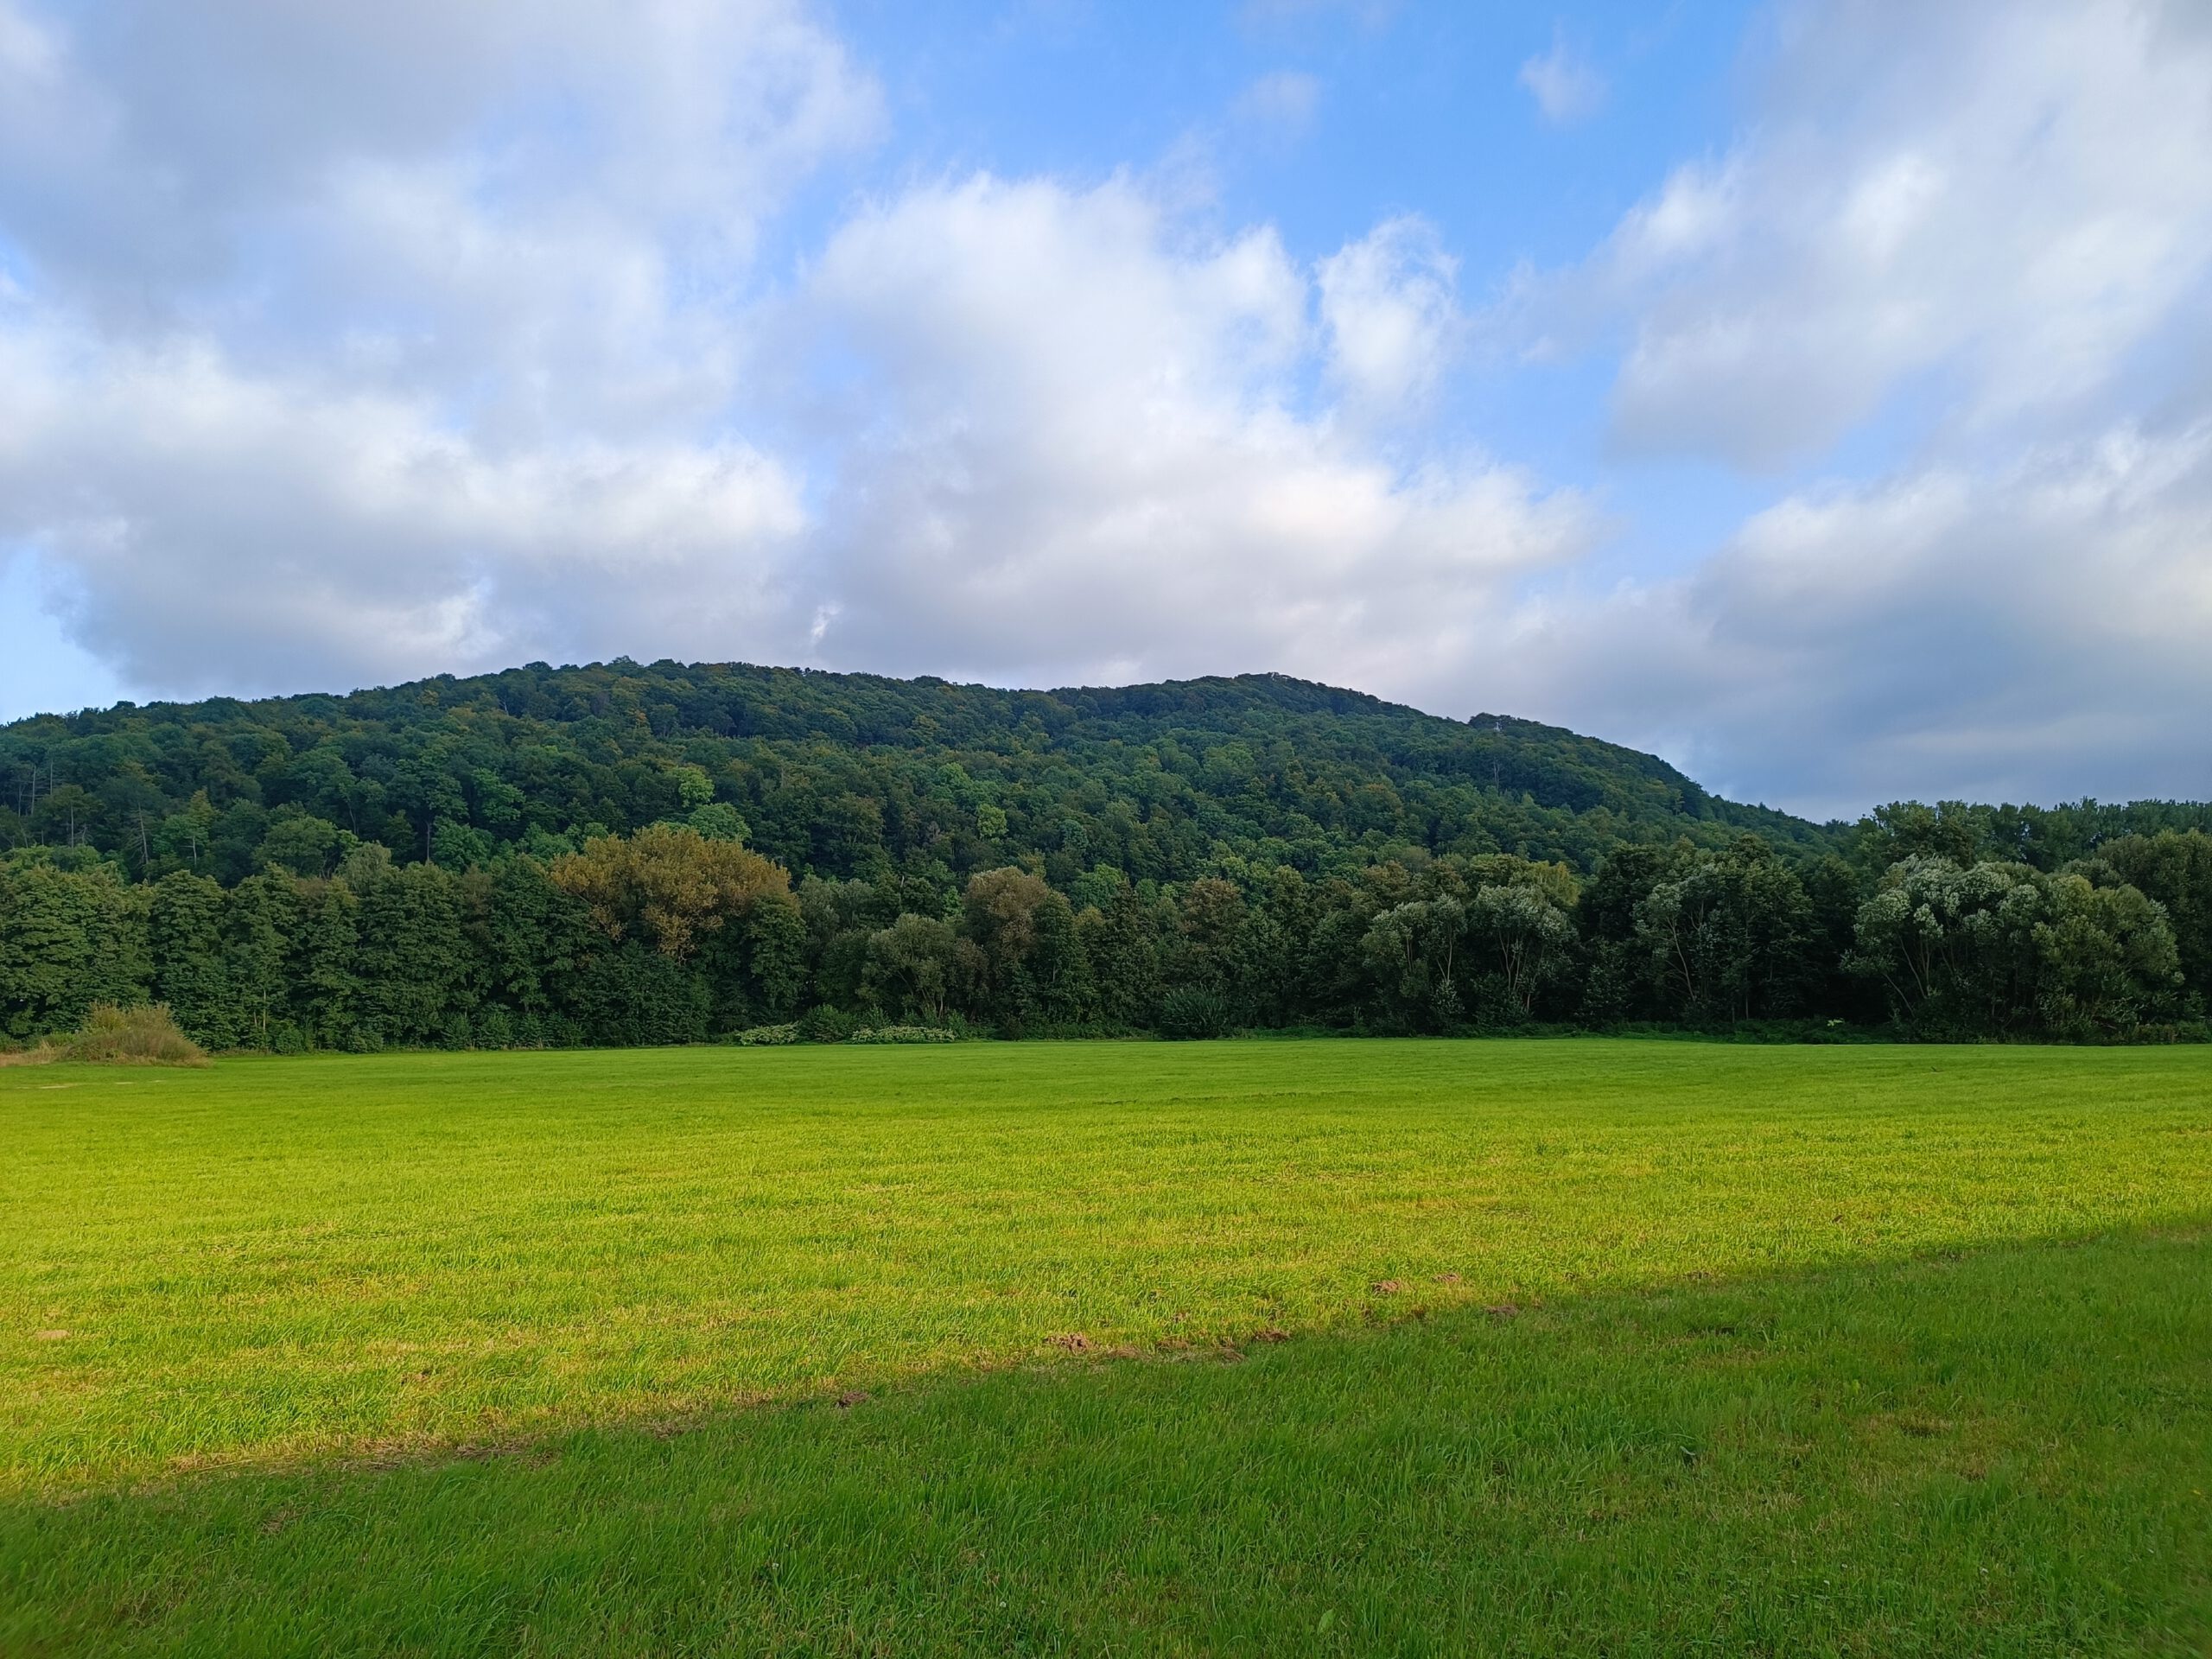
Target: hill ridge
1332,774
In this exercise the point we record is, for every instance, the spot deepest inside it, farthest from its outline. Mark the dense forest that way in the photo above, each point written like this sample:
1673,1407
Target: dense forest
630,854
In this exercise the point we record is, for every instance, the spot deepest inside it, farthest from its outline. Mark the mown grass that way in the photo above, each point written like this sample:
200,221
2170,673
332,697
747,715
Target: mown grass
2004,1455
1737,1403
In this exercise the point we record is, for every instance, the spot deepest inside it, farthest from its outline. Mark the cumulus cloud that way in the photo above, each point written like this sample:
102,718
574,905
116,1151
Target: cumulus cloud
2018,633
223,527
347,344
146,151
1980,236
1087,459
2011,195
449,383
1390,303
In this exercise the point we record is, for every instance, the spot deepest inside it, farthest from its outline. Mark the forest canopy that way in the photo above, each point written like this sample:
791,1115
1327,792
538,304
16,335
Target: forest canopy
650,853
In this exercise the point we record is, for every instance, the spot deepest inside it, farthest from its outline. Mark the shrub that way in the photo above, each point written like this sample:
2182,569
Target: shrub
826,1025
1192,1014
144,1035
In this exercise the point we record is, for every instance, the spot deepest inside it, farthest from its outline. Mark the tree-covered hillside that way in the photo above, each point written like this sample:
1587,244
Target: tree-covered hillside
840,774
625,854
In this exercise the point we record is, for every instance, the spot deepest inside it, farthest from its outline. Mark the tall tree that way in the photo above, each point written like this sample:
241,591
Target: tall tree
667,885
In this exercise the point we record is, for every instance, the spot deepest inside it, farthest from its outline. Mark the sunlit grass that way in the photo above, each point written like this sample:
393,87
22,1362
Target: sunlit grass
280,1258
2005,1455
1775,1343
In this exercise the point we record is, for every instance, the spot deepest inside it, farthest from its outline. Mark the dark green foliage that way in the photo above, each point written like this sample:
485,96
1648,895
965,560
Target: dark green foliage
190,965
633,996
839,775
2043,838
775,953
327,952
2175,870
532,935
68,938
1120,938
413,967
1990,949
1189,1011
1727,937
918,968
554,857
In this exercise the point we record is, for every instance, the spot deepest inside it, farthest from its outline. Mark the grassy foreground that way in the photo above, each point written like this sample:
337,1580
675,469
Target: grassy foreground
2006,1455
1734,1402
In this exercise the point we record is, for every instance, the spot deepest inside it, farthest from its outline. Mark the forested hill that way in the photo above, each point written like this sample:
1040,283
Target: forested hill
628,854
842,775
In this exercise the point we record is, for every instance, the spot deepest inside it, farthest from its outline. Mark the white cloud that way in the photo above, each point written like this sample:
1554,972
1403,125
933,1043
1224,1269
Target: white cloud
537,201
196,122
439,400
339,346
1087,460
1566,86
2012,194
1390,303
354,344
2001,211
228,530
2026,633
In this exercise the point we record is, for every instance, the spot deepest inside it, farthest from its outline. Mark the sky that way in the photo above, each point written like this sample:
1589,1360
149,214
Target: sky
1818,393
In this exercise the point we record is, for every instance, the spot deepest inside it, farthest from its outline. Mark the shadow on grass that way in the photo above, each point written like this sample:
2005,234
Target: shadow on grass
2005,1454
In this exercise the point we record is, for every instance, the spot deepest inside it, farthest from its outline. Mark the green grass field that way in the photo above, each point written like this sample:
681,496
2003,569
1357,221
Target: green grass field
1592,1347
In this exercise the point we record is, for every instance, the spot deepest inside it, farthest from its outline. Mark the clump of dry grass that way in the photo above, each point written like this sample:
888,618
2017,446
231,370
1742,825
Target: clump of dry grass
145,1035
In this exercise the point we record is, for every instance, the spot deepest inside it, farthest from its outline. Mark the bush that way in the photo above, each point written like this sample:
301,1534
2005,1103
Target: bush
145,1035
1187,1014
826,1025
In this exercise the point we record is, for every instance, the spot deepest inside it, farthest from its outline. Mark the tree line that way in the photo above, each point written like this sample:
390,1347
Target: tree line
646,854
680,933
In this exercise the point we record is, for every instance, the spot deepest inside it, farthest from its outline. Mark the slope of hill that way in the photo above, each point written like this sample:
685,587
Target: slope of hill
841,775
553,856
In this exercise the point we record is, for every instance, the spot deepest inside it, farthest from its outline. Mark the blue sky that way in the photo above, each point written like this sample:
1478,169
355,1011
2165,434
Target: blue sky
1815,392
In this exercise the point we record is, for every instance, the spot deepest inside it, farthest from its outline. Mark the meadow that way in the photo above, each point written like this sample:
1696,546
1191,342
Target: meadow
1573,1346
